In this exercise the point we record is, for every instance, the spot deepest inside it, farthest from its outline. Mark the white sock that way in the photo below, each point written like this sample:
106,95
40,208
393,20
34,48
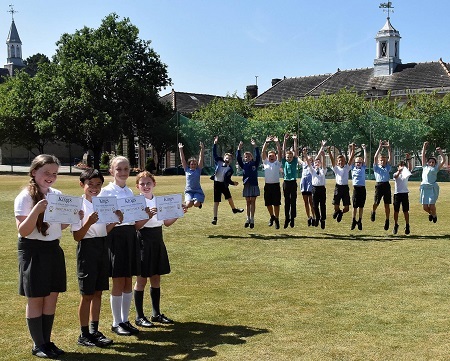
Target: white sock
116,305
126,305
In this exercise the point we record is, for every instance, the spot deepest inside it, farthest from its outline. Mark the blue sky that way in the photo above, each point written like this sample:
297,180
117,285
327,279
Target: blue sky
219,47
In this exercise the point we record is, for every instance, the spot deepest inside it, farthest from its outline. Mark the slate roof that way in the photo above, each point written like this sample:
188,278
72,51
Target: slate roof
13,36
187,103
410,77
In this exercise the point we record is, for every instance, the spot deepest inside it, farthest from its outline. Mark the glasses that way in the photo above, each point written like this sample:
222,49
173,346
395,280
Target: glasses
148,184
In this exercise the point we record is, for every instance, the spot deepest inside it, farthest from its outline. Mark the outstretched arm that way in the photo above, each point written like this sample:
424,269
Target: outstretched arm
388,145
363,146
322,147
351,157
442,162
286,136
408,161
201,156
277,142
264,147
183,160
377,153
295,150
424,155
330,153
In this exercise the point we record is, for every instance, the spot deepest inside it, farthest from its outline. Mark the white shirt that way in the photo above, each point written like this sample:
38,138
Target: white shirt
318,176
271,171
23,204
341,174
152,222
113,190
401,182
96,229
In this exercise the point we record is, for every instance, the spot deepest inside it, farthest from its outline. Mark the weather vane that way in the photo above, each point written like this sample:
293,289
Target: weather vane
12,11
387,6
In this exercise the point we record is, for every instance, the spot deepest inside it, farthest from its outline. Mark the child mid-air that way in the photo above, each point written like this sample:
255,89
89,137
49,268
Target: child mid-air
341,189
358,170
222,180
381,170
401,192
319,195
272,192
306,187
429,189
249,165
193,193
289,163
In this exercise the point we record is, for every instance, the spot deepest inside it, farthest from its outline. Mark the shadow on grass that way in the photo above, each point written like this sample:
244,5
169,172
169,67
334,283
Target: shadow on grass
186,341
335,237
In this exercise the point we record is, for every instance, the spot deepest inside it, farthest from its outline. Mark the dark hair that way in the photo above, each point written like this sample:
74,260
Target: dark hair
91,173
35,193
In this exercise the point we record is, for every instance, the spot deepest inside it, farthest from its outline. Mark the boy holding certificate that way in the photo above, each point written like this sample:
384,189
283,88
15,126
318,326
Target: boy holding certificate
154,258
92,261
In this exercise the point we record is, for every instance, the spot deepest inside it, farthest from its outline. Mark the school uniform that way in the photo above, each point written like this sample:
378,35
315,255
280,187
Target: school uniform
319,195
272,192
382,186
250,174
221,177
341,189
401,191
193,190
429,188
306,180
290,187
359,186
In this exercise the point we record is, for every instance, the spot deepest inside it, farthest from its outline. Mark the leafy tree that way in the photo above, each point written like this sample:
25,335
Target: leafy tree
33,62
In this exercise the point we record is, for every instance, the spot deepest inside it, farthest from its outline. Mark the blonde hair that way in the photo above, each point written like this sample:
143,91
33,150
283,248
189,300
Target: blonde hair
117,159
145,174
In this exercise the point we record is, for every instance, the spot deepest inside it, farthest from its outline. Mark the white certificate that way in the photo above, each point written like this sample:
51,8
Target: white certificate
133,208
63,209
105,208
168,207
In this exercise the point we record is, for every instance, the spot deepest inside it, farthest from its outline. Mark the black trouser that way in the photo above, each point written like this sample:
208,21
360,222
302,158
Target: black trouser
319,196
290,198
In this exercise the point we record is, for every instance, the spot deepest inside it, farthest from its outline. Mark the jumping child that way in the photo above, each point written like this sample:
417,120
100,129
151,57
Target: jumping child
359,187
193,193
401,192
289,163
319,194
306,187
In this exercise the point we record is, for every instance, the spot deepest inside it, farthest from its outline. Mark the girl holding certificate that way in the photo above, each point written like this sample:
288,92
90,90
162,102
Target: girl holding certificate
154,258
42,269
123,252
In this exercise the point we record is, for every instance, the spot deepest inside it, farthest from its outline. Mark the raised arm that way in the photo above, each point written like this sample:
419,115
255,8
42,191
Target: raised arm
201,156
377,153
215,155
277,143
363,146
264,147
424,153
286,137
330,153
351,150
322,147
239,155
408,161
441,153
388,146
295,150
183,159
256,152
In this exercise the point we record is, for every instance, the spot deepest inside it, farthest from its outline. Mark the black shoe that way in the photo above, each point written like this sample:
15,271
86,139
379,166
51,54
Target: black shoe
292,222
310,221
238,210
430,218
247,223
372,216
43,351
143,322
286,223
386,224
214,221
277,223
162,319
87,340
322,224
354,223
271,220
434,219
395,230
360,225
316,222
339,216
128,326
120,330
335,214
252,224
55,349
101,340
407,230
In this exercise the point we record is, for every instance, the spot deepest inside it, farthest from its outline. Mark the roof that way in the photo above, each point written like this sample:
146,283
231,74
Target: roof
410,77
13,36
188,103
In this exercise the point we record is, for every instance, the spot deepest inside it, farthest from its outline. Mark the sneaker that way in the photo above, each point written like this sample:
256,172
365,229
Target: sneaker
335,214
407,230
430,217
277,223
101,340
214,221
143,322
372,216
292,222
43,351
434,219
246,224
55,349
339,216
322,224
162,319
120,330
310,221
354,223
286,223
360,225
252,224
316,222
87,340
271,220
386,224
128,326
395,230
238,210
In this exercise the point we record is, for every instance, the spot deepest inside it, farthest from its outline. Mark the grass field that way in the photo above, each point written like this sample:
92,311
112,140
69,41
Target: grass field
265,294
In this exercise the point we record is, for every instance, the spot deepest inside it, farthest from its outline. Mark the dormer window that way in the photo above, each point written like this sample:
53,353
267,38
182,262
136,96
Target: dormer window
383,49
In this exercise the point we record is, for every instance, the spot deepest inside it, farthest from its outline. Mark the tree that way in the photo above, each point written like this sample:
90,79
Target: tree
33,62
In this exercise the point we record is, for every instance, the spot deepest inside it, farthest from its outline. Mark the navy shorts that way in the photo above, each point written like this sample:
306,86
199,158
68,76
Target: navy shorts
92,265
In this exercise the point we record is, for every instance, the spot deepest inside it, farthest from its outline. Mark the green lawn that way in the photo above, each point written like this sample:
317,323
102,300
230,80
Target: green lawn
265,294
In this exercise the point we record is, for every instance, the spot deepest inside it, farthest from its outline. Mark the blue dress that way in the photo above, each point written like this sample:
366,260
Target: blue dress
429,189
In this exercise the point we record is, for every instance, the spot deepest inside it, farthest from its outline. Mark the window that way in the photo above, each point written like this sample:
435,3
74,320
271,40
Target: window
383,49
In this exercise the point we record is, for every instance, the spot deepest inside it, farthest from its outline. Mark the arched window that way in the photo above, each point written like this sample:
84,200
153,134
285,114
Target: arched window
18,54
383,49
13,52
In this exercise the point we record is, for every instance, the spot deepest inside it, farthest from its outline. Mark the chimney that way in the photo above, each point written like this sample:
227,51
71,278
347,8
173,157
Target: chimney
275,80
252,91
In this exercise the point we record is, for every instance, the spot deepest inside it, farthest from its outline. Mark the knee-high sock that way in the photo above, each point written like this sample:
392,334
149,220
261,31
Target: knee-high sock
116,309
139,303
126,304
47,325
35,328
155,295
